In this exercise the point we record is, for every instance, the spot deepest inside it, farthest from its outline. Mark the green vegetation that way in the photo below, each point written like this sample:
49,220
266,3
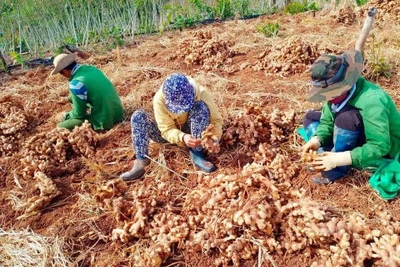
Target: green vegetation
37,26
298,7
269,29
361,2
377,65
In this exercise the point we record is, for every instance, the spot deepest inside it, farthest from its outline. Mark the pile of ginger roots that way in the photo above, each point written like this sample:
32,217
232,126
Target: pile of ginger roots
234,217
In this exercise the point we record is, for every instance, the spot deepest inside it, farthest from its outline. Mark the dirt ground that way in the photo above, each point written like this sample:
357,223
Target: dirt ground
249,68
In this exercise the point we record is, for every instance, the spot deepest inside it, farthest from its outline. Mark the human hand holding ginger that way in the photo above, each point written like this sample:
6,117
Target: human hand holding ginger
191,141
330,160
312,144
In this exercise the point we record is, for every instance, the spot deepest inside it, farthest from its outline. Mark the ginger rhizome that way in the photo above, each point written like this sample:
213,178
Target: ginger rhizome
202,49
209,140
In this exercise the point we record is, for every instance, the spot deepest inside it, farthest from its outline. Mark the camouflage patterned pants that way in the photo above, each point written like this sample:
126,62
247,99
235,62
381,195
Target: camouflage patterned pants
145,128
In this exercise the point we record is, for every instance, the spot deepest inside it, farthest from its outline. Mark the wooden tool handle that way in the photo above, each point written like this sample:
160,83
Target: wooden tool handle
366,29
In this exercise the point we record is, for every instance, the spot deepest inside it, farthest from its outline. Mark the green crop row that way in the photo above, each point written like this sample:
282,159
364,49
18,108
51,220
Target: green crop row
37,26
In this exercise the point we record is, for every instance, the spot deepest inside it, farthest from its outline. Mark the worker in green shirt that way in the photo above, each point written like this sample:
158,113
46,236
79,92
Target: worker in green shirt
92,94
358,124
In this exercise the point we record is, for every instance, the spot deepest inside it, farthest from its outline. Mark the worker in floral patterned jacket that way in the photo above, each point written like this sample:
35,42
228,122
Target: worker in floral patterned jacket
92,94
182,111
358,124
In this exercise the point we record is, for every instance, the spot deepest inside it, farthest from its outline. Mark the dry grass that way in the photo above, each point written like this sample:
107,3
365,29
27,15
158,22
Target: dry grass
26,248
133,77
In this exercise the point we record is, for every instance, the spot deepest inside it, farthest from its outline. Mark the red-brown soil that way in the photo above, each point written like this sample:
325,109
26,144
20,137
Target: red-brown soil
237,75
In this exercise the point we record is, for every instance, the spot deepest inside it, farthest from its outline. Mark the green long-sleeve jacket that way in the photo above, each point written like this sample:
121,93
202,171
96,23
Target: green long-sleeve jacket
90,88
381,123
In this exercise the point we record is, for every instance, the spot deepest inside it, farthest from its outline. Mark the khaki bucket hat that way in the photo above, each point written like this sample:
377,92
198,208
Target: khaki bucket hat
62,61
332,75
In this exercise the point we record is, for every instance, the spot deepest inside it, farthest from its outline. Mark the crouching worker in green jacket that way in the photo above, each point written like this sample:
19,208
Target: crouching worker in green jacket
182,111
358,124
92,94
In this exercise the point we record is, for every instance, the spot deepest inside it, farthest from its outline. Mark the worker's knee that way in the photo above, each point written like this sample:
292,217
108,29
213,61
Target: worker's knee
349,118
138,116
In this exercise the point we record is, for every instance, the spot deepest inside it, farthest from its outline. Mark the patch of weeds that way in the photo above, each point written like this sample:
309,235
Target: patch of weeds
18,58
361,2
224,9
177,17
269,29
116,37
377,65
243,8
299,7
204,11
183,22
2,67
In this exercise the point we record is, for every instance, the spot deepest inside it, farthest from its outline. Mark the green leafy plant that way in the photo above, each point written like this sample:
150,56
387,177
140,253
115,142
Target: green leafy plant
177,16
243,8
377,66
269,29
181,22
361,2
224,9
204,11
18,59
299,7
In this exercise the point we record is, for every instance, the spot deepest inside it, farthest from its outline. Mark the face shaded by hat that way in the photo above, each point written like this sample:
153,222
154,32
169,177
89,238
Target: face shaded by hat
178,93
62,61
334,75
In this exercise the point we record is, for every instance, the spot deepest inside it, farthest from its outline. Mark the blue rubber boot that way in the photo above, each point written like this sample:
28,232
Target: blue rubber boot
343,140
198,159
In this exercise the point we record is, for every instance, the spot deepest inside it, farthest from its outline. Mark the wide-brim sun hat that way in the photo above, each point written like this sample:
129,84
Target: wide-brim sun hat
333,75
61,61
178,93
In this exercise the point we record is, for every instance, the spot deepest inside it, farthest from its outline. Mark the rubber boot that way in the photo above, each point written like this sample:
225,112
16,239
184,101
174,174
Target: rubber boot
137,170
344,140
198,159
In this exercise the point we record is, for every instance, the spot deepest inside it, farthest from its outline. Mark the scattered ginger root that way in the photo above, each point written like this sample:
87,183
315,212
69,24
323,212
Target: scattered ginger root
292,56
47,191
48,150
83,139
12,123
209,140
255,125
309,156
206,51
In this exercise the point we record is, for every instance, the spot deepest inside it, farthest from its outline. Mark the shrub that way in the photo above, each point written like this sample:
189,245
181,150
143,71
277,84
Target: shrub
377,66
299,7
269,29
361,2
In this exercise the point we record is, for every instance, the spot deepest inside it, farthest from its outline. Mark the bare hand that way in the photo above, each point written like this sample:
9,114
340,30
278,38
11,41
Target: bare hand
191,141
